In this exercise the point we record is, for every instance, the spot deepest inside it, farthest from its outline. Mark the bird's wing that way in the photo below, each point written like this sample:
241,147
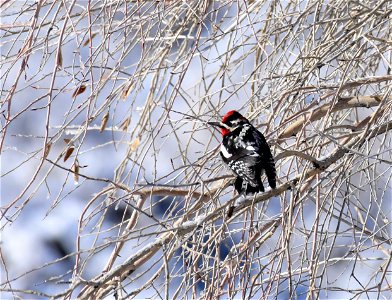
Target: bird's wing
266,157
242,161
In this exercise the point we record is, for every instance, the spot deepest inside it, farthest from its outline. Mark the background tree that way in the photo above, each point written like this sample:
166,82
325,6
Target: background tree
112,183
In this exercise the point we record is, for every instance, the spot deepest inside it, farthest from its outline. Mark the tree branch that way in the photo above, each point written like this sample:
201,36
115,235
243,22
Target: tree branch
102,285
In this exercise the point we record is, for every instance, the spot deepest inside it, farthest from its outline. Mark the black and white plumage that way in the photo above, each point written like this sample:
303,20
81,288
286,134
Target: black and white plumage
245,150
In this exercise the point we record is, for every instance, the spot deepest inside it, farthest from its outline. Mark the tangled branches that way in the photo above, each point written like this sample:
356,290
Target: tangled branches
108,165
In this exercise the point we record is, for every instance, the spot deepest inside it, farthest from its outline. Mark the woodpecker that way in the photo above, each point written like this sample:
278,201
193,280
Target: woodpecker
246,152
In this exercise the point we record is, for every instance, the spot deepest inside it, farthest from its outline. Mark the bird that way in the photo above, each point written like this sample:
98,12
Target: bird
245,150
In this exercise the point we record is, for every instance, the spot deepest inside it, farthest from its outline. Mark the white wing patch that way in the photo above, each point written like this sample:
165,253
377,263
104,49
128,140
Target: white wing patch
241,169
251,148
224,151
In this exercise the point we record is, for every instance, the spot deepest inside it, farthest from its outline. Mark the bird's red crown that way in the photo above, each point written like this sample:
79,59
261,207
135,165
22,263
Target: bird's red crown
231,115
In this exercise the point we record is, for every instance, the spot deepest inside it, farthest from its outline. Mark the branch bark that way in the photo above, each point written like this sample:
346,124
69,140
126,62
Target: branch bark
319,112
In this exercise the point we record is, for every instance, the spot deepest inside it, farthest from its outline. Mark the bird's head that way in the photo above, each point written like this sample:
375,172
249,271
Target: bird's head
230,122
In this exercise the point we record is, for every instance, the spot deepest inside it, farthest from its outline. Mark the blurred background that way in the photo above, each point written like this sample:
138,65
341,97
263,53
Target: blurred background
105,154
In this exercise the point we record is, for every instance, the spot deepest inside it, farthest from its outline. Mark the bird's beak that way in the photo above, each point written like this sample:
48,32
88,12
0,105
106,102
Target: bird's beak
216,124
221,125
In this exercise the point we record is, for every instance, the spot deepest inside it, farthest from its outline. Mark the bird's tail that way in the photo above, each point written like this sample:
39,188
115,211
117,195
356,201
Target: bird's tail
270,171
